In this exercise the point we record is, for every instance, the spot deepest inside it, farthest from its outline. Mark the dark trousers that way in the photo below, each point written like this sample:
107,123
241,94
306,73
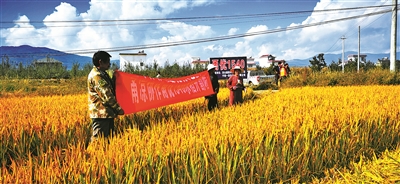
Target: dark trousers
276,79
282,78
102,127
237,96
212,102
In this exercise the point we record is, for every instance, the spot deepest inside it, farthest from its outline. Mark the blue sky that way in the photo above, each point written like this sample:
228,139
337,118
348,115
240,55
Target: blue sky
31,22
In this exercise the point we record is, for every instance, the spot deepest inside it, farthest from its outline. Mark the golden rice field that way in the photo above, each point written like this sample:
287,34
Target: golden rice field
308,134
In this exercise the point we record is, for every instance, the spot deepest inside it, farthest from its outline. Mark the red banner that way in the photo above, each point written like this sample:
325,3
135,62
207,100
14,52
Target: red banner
138,93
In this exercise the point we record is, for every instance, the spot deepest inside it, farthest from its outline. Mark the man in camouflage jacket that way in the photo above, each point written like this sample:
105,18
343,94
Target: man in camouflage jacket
103,105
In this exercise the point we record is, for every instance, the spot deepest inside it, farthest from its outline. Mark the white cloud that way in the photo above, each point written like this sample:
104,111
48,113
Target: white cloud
324,38
64,12
202,2
256,29
296,53
66,36
168,54
241,48
129,10
213,48
265,49
186,31
178,31
293,44
233,31
22,30
56,32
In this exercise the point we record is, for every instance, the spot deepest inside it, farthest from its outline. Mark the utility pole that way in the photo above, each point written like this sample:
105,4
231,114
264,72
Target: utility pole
358,58
343,38
393,37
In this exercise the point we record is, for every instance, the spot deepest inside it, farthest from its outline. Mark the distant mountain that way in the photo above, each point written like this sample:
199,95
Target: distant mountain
26,54
336,57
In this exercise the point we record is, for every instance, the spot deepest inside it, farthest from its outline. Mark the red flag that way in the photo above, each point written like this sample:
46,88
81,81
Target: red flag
138,93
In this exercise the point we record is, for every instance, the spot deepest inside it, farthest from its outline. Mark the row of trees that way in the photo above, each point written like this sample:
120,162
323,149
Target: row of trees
168,70
20,71
317,63
8,70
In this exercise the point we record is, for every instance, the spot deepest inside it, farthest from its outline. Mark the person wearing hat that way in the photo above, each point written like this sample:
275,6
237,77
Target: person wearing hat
212,99
235,85
158,74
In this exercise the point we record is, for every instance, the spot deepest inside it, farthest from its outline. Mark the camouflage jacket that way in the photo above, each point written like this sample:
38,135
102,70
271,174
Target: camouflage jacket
102,98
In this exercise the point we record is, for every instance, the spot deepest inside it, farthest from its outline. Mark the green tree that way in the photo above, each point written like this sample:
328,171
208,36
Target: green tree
74,72
317,63
369,66
5,65
334,66
384,63
351,66
155,65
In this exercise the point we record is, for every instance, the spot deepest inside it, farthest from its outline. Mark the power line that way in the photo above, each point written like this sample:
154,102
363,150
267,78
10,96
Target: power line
358,23
190,19
177,27
353,33
182,19
186,42
149,23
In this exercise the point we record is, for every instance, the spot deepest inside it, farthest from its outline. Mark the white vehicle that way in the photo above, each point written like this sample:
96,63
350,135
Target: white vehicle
255,77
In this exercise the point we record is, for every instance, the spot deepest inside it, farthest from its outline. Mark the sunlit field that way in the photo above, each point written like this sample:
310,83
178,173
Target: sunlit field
308,134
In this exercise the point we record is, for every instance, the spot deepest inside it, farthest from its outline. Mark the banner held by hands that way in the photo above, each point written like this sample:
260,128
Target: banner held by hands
137,93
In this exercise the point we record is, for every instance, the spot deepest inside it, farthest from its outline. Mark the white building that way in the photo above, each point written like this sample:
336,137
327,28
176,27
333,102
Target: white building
251,63
266,60
354,57
131,59
198,61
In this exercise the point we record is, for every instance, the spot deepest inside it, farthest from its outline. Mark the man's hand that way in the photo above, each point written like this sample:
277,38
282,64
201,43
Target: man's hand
234,87
121,112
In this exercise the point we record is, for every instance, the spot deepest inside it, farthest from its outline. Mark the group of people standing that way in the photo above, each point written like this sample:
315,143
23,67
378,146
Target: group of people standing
282,71
103,105
234,84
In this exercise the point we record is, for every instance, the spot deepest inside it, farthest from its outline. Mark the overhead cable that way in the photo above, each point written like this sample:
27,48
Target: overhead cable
186,42
183,19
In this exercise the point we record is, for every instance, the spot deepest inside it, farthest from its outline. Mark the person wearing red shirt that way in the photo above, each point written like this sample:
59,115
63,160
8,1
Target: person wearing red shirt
235,85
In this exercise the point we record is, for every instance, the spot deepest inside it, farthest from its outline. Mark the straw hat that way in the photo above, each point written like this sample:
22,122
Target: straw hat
210,66
237,68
